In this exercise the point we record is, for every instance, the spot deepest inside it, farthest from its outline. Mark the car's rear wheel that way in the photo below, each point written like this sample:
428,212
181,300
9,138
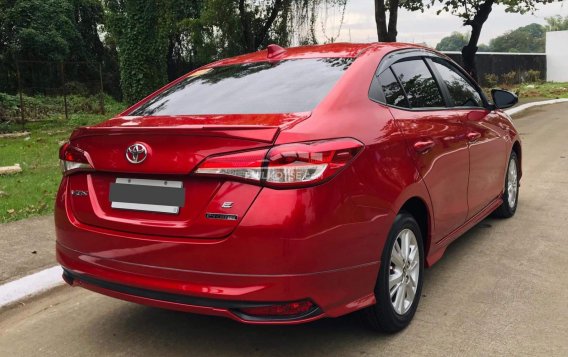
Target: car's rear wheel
399,283
511,192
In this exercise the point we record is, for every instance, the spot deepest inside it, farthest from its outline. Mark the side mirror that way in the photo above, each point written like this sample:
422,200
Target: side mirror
503,99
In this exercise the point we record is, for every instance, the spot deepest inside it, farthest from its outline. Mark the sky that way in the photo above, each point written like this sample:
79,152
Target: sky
416,27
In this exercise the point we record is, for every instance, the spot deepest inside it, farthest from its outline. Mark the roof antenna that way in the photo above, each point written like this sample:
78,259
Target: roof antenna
274,51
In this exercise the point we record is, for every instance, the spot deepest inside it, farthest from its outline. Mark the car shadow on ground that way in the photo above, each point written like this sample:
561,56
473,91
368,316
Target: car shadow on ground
146,328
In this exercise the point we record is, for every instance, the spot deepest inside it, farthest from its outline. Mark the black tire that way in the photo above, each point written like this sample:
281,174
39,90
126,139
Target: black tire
382,316
506,210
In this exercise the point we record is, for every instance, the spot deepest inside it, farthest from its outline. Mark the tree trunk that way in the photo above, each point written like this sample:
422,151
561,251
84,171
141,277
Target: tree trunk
381,20
393,17
469,50
386,32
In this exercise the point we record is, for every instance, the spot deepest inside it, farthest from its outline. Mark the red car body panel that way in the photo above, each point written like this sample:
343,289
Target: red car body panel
322,243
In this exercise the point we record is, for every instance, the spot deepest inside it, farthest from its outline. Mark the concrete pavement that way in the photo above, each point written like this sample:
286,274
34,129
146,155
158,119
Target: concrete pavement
501,289
25,247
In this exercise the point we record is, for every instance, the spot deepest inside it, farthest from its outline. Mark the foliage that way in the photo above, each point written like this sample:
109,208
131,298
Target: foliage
491,80
509,78
142,45
528,38
532,76
52,30
556,23
454,42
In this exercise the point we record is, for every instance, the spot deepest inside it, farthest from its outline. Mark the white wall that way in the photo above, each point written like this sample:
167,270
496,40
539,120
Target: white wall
557,56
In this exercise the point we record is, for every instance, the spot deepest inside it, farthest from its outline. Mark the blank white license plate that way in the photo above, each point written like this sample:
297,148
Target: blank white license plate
161,196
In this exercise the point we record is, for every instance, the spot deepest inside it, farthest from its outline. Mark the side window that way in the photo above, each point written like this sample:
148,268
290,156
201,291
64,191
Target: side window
421,88
394,95
462,93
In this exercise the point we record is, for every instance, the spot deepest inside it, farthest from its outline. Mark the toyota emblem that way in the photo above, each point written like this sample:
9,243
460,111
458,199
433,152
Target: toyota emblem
136,153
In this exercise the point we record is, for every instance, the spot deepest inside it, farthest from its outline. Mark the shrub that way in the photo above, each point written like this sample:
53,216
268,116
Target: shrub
532,76
509,78
491,80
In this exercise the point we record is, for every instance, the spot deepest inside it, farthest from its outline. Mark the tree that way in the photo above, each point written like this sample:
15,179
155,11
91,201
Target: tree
50,30
387,30
475,13
454,42
528,38
556,23
142,45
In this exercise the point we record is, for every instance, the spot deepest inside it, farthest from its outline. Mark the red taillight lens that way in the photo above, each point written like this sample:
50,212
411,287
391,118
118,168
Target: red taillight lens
73,159
280,310
289,165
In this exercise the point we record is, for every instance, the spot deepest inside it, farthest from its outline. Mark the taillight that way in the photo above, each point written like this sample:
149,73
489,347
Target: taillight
72,159
288,165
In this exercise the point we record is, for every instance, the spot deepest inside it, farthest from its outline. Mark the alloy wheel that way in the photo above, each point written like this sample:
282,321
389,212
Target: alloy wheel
512,183
404,271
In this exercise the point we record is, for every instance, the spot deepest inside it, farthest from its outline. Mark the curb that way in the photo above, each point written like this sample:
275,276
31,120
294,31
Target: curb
37,283
30,285
523,107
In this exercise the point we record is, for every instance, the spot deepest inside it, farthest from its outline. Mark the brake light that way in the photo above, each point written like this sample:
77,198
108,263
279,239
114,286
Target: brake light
73,159
288,165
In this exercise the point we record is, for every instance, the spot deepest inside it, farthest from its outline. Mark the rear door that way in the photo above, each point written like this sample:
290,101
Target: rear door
487,154
435,135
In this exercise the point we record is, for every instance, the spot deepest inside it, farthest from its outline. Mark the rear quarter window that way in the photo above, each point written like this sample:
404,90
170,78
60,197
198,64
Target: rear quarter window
286,86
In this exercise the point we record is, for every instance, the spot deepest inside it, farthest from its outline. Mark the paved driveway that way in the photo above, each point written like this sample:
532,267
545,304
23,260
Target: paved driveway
501,289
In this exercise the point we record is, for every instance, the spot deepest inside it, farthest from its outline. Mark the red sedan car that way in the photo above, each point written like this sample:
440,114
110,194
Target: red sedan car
287,185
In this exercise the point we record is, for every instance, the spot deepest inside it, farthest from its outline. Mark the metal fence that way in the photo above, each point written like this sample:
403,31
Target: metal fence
49,90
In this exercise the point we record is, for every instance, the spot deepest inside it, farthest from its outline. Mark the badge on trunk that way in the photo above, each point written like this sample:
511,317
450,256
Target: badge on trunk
136,153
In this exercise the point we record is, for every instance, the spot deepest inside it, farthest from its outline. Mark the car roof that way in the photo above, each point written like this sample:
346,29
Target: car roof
344,50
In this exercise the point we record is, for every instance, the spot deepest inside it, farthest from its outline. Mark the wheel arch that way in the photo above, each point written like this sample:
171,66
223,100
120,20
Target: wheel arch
418,208
517,149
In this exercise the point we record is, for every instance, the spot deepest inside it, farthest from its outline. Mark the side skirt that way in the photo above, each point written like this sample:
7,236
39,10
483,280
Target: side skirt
437,251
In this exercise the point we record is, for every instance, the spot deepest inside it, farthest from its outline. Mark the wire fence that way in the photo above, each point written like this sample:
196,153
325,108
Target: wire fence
49,90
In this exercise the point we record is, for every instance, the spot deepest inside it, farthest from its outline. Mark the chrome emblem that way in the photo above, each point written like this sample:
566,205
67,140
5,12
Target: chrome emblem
136,154
227,205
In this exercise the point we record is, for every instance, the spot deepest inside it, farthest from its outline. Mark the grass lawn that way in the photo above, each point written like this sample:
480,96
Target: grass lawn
32,192
547,90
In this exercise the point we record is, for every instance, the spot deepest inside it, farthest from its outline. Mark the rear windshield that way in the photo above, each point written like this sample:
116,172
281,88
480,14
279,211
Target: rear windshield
251,88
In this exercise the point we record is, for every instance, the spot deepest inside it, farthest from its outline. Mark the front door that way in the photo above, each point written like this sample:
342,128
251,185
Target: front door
484,134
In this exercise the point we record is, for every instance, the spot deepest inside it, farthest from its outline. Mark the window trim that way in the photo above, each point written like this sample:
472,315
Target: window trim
376,94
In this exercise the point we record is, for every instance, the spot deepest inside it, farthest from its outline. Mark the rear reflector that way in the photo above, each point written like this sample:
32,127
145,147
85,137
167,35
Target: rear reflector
288,165
280,310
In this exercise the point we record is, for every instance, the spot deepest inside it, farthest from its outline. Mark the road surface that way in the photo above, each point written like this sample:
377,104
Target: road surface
501,289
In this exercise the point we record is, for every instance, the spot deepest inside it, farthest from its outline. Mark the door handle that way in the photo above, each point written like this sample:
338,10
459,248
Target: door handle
423,145
473,136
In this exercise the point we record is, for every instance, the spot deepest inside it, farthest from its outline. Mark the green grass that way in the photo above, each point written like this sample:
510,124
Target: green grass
528,92
542,90
32,192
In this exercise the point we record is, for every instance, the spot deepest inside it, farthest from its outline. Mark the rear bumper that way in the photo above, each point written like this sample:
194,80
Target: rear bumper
278,253
218,294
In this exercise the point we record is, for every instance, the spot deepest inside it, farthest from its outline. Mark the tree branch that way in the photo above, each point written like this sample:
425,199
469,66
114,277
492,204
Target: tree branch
261,37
